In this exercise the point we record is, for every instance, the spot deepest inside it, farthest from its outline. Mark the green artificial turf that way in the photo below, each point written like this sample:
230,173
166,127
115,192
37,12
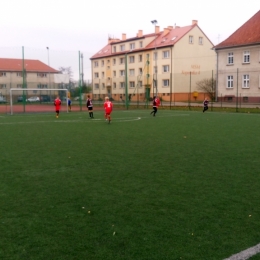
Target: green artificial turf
181,185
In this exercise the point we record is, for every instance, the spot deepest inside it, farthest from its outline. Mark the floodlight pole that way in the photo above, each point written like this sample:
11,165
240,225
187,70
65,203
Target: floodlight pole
80,83
23,80
49,68
154,22
126,82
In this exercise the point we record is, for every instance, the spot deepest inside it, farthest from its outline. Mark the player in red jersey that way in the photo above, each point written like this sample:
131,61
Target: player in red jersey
57,104
108,106
156,104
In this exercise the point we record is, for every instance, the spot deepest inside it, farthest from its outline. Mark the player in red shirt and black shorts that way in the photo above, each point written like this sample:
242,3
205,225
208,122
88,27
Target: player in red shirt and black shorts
156,103
108,106
57,104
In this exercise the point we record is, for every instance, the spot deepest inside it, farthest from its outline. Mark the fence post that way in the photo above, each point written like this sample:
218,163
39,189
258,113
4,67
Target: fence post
171,91
237,93
190,90
212,90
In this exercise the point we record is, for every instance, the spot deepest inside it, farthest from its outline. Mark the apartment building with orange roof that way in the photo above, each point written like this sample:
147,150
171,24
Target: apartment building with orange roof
238,64
167,63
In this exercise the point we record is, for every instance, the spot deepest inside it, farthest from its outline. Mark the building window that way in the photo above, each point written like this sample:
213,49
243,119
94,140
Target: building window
190,39
122,73
140,44
103,74
131,59
122,84
155,70
166,68
2,74
230,58
230,81
166,54
140,58
102,63
42,75
96,75
19,74
131,72
140,71
200,40
103,85
122,60
132,46
114,85
114,73
166,82
132,84
155,55
114,48
122,47
114,61
140,84
2,86
41,86
245,81
96,64
96,86
246,56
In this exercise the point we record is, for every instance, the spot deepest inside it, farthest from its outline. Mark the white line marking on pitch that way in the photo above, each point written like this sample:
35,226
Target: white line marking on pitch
246,254
71,121
82,120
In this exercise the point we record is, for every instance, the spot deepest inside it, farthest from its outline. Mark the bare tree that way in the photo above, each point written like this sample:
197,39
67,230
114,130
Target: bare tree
68,71
207,86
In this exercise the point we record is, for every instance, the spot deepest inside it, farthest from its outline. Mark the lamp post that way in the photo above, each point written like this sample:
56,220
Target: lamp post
49,69
126,82
126,79
154,22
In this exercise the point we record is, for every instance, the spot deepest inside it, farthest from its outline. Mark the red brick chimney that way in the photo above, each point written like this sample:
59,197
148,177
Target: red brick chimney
140,33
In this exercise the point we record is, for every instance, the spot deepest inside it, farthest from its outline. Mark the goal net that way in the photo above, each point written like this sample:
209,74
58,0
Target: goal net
30,100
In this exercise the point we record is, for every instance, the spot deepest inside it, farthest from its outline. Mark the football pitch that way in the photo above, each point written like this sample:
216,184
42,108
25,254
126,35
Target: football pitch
181,185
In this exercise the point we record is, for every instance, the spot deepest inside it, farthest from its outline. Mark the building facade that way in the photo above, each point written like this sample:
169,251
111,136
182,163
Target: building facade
238,63
29,74
166,63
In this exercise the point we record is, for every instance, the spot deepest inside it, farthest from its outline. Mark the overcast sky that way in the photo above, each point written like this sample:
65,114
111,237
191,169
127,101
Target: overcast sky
68,27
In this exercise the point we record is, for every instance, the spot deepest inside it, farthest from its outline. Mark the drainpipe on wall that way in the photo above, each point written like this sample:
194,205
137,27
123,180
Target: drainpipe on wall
216,94
171,80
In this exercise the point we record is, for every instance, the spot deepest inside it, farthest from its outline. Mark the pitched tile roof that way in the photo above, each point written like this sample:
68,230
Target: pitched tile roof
29,65
172,36
247,34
